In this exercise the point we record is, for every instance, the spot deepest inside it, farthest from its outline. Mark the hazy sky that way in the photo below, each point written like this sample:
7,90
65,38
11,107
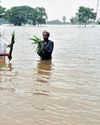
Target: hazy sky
55,9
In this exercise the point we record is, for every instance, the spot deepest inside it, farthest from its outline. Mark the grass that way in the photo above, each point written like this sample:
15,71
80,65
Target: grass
37,43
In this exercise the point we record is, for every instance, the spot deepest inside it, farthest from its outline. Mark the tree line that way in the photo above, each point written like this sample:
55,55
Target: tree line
24,15
84,16
35,16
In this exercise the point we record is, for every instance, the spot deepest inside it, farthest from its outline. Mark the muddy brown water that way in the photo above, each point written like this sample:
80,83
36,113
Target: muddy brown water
64,91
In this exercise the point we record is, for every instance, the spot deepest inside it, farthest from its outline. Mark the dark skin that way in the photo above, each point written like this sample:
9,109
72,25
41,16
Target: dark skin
45,36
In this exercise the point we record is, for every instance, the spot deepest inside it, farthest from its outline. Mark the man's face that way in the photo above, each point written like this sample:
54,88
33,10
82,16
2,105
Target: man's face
45,36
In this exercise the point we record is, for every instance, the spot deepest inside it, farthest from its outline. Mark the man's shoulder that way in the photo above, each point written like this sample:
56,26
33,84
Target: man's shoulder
50,41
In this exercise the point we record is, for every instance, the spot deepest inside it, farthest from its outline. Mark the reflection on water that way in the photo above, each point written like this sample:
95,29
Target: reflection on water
44,71
10,67
43,75
5,76
2,64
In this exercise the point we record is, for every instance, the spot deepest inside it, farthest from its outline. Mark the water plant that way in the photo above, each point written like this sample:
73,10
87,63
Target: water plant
37,43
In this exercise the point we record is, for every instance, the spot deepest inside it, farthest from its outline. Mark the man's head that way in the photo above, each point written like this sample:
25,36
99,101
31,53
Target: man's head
46,35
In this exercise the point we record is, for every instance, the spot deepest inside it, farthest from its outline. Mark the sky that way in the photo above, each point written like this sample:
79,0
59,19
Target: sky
55,9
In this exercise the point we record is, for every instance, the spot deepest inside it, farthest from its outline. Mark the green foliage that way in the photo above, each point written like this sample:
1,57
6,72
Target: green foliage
98,21
40,15
19,15
74,20
2,11
37,42
26,15
85,14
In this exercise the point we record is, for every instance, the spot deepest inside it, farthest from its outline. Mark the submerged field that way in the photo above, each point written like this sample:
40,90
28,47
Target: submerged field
65,91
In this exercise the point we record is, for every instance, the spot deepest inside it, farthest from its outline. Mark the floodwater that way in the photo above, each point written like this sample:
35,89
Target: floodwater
64,91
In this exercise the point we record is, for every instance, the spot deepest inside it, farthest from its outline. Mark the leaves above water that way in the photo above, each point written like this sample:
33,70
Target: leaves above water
37,43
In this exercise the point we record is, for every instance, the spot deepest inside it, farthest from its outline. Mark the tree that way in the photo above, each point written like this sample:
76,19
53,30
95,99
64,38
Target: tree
20,15
2,11
98,21
26,15
40,15
85,14
64,19
74,20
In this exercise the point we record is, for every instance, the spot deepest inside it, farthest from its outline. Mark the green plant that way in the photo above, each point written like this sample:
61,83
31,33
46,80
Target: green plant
37,43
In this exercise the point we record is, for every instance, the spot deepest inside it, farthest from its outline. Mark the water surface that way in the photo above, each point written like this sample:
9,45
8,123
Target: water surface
64,91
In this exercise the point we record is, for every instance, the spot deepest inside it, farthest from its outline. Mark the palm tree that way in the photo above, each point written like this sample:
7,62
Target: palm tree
64,19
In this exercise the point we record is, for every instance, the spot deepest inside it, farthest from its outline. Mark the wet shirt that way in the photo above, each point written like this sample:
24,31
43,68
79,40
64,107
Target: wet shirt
47,49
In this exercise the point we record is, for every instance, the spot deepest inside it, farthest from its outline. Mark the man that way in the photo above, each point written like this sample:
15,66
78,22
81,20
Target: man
47,47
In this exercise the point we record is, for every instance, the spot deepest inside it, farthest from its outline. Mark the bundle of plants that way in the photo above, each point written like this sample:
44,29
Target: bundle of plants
37,43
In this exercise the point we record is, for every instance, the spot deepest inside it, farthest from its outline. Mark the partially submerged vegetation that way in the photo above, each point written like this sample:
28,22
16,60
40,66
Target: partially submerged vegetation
84,16
20,15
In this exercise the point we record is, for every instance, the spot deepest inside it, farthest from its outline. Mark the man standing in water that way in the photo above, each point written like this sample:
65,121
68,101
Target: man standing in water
47,47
